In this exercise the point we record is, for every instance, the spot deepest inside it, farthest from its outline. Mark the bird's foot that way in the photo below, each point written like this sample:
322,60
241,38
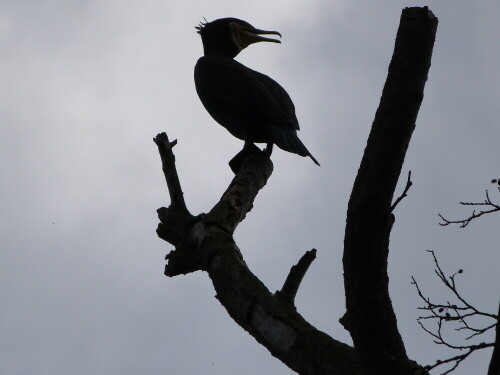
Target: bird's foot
268,150
237,161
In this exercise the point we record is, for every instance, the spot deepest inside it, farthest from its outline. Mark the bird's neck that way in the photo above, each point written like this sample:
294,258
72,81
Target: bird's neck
228,51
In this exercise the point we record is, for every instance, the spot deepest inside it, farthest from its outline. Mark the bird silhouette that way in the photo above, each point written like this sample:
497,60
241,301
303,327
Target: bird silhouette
250,105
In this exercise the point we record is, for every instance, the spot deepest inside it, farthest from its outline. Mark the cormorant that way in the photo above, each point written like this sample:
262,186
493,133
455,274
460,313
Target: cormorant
249,104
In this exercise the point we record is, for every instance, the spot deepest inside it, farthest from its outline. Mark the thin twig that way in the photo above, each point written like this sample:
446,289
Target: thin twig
444,313
458,358
405,191
464,222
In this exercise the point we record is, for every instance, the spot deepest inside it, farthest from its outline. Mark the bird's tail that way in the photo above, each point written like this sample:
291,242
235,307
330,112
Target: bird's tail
287,140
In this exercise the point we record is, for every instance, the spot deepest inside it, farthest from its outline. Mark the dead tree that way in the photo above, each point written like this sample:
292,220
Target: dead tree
205,242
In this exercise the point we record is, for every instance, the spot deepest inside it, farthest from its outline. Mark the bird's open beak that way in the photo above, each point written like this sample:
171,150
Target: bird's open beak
249,36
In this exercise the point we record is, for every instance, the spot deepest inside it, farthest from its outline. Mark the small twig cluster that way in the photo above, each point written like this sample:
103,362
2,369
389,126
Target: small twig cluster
461,313
487,207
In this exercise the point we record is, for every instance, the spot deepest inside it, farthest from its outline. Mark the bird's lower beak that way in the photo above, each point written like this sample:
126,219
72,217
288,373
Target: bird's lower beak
249,36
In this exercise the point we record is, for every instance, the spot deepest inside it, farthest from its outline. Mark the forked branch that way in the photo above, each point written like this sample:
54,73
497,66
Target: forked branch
486,207
205,242
463,316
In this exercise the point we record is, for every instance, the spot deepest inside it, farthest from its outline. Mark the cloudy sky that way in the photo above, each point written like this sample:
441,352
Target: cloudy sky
86,85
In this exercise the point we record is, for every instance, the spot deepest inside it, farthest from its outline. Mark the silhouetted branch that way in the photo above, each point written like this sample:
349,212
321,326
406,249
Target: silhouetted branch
405,191
494,367
446,312
295,276
456,359
488,203
169,170
370,317
205,242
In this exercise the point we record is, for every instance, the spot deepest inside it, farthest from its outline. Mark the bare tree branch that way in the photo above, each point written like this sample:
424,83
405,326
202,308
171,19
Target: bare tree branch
169,170
445,313
487,207
294,278
409,183
205,242
370,318
494,368
457,359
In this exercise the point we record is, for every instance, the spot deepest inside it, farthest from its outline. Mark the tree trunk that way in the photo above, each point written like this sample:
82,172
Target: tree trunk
370,317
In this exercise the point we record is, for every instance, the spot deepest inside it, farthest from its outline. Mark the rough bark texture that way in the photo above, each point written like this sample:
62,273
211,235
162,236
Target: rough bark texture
205,242
370,318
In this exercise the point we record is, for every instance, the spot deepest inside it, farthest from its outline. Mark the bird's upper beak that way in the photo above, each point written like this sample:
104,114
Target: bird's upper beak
251,35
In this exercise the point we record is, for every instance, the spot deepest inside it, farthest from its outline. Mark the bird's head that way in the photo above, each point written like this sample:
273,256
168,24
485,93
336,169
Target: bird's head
229,36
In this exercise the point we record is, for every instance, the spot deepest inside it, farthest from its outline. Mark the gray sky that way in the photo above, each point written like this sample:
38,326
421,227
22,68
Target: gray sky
86,85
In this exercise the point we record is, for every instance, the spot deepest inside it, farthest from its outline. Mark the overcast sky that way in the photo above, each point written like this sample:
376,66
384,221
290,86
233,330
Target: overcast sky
86,85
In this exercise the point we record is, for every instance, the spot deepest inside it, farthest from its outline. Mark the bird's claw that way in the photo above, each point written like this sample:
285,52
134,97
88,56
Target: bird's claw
268,150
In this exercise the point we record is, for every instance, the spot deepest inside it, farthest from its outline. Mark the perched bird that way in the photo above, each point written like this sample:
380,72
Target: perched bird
249,104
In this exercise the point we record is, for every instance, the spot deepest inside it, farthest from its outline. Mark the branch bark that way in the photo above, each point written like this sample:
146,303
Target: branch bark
205,242
494,367
294,278
370,317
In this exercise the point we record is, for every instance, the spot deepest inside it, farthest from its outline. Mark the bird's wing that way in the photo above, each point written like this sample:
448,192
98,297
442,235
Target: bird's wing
256,95
280,95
